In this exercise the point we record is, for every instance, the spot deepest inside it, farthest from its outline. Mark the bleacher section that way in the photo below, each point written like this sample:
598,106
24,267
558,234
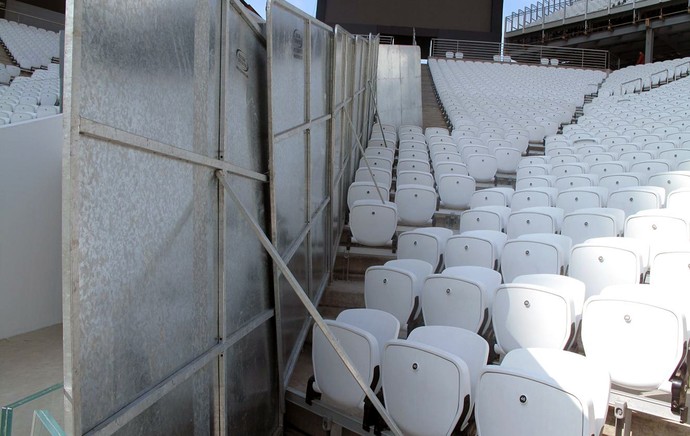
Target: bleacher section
495,101
30,47
570,282
32,97
637,78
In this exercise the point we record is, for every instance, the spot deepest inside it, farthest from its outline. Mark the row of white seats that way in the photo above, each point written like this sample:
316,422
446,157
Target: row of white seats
436,379
503,95
652,74
31,47
541,310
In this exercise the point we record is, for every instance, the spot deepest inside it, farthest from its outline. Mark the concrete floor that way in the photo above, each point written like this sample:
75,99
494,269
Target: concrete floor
30,363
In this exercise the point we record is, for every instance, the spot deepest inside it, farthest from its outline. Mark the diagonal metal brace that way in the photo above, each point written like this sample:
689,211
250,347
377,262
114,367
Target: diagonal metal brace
366,160
304,298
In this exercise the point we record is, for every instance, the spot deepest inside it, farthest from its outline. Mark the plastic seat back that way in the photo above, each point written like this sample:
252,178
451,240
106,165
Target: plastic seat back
416,204
635,199
601,262
372,222
364,191
584,224
640,338
426,389
456,190
475,248
460,297
534,220
484,218
533,197
526,315
427,244
574,199
492,197
535,254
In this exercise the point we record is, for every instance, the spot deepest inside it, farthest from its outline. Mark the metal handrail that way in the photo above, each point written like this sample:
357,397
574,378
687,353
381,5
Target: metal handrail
676,75
539,13
629,82
520,53
30,16
651,76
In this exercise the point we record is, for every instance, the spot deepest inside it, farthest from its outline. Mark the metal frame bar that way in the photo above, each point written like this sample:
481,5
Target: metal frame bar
150,397
304,298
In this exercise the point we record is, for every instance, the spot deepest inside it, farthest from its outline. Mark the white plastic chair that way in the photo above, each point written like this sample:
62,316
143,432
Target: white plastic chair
469,346
416,204
536,253
531,316
396,288
542,391
588,223
533,197
498,196
482,167
426,389
671,180
615,181
364,191
573,199
427,244
484,218
460,296
456,190
670,265
475,248
601,262
638,335
534,220
635,199
362,333
373,223
382,176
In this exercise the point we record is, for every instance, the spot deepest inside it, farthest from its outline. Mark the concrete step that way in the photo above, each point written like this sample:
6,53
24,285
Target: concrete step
344,294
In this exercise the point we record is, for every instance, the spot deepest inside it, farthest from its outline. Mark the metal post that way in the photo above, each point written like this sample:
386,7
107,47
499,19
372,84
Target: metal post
649,46
304,298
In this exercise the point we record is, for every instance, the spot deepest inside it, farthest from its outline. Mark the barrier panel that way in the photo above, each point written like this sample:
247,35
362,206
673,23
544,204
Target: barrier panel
167,297
317,78
171,304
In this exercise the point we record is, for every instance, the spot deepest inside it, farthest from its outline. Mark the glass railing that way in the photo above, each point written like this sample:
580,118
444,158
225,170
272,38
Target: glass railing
40,413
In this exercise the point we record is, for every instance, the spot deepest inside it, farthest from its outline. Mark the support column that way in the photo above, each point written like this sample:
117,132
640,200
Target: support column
649,46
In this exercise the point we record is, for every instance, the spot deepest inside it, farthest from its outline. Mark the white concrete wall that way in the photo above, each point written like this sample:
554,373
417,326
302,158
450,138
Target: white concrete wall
399,85
30,225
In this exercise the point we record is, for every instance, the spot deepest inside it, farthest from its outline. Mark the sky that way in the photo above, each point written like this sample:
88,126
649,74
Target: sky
309,6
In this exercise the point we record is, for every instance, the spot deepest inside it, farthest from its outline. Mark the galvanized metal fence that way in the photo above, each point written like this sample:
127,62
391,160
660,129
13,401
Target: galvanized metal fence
184,142
518,53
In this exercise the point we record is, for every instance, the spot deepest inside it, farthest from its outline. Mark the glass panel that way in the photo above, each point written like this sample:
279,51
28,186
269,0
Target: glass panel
44,424
17,417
